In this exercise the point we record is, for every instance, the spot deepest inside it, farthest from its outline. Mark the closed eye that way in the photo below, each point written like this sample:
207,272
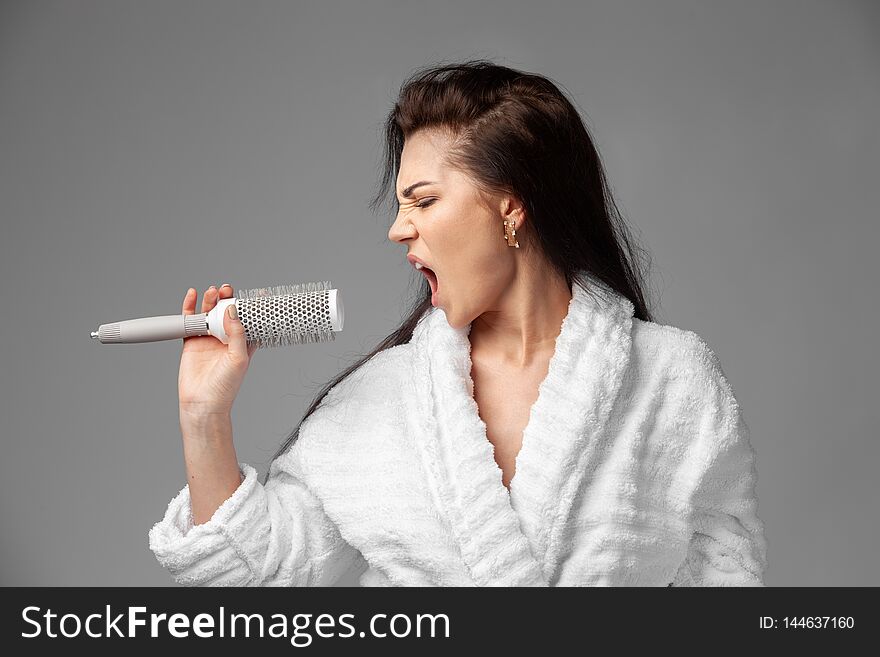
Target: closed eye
425,204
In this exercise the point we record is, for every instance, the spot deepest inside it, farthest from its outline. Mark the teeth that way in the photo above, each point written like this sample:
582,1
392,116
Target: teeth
419,265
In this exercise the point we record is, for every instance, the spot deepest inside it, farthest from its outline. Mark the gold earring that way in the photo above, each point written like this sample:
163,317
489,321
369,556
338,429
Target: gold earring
510,233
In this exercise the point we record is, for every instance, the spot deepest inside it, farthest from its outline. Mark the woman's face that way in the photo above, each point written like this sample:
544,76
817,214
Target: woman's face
457,232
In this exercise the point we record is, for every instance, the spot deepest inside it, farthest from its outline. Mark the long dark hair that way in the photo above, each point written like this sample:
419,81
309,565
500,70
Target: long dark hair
516,133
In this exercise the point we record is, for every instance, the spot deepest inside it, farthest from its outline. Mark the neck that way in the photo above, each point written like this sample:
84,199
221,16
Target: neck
522,328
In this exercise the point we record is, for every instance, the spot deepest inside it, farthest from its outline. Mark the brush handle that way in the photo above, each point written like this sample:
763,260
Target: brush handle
152,329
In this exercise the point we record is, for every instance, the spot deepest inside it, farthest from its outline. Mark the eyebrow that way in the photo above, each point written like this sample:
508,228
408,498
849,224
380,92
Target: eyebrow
408,192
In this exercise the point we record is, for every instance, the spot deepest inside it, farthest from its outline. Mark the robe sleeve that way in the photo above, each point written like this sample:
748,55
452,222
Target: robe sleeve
272,535
727,545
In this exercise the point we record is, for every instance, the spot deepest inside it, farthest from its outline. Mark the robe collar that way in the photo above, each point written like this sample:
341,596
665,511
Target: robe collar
514,538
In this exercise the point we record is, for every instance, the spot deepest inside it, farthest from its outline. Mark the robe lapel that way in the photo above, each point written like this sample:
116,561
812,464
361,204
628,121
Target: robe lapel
514,539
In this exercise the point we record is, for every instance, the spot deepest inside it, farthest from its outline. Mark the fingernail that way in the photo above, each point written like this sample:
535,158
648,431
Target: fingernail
226,285
232,311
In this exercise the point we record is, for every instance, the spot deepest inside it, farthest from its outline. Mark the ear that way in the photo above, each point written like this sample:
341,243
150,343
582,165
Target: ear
511,208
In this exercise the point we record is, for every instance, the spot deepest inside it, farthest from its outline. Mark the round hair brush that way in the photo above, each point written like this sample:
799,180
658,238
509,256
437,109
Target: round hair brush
275,316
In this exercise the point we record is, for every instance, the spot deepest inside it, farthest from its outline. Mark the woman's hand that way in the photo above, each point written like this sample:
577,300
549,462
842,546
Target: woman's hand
211,372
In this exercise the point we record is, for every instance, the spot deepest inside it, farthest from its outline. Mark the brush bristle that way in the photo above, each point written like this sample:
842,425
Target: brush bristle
286,314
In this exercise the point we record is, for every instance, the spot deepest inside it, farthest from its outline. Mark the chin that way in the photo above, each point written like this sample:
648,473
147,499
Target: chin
450,319
455,320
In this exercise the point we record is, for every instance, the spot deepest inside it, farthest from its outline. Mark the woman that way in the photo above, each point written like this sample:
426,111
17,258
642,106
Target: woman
527,425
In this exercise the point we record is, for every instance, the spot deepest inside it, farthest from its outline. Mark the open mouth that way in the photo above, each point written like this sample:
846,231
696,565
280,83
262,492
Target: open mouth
432,279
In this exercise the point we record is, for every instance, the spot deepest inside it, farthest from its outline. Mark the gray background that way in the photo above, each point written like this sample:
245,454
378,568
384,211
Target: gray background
150,146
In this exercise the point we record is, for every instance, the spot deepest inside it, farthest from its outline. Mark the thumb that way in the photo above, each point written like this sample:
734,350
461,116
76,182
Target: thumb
235,330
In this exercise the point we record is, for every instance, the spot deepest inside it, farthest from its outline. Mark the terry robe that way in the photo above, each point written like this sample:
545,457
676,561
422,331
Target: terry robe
636,469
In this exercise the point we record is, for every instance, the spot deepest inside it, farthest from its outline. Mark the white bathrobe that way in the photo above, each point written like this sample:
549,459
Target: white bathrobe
636,469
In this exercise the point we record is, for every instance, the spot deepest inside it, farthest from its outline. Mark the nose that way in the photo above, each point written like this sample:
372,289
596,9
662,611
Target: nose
401,230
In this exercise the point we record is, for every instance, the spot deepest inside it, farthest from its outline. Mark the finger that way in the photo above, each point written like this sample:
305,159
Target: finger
235,331
226,291
209,300
189,301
